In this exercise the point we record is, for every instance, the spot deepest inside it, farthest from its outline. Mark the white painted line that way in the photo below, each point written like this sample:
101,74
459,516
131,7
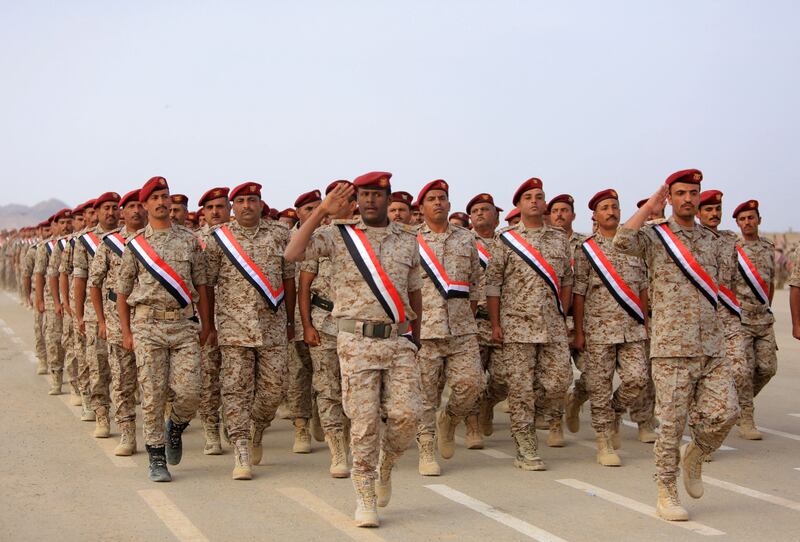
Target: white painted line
778,433
491,452
797,468
183,529
334,517
8,331
766,497
31,356
107,445
17,340
796,415
531,531
686,438
636,506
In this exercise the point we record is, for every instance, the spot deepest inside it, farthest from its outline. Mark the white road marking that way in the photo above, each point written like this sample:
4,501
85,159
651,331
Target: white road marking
334,517
686,438
491,452
17,340
31,356
636,506
531,531
107,445
7,330
778,433
766,497
796,414
183,529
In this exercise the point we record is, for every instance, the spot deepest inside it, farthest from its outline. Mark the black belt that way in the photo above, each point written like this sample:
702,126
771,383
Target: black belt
112,295
322,303
482,313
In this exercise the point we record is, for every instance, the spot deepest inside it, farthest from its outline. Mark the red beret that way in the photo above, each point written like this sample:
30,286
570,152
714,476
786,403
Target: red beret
308,197
274,214
710,197
288,213
333,185
191,216
214,193
63,213
402,197
264,209
179,199
692,176
458,215
246,189
561,198
641,202
415,206
749,205
133,195
80,208
374,179
513,213
530,184
608,193
438,184
103,198
155,183
480,198
43,224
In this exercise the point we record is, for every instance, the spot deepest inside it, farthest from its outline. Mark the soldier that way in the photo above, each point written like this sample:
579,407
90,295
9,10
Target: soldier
319,329
755,286
29,261
528,294
485,217
216,210
460,219
163,272
101,282
376,287
684,263
513,217
609,307
416,214
400,207
794,295
246,255
178,209
451,273
288,217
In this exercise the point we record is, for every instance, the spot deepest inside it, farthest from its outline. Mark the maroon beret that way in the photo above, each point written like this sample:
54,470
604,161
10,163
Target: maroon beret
333,185
246,189
81,208
438,184
179,199
274,214
214,193
308,197
264,209
608,193
561,198
402,197
288,213
749,205
63,213
480,198
374,179
692,176
530,184
103,198
513,213
133,195
458,215
710,197
155,183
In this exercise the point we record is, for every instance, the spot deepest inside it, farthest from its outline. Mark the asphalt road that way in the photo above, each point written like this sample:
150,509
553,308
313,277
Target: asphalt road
58,482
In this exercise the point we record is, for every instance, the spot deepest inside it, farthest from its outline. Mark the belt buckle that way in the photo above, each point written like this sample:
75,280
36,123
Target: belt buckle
380,330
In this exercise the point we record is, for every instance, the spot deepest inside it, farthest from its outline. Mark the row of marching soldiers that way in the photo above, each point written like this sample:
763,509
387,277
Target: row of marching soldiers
346,310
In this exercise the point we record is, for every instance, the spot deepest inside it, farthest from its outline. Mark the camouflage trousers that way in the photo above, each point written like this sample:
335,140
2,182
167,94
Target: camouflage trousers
524,363
327,383
123,383
298,392
99,370
378,376
167,359
580,388
80,361
38,336
455,361
53,329
211,392
252,386
70,352
700,389
494,376
628,359
762,362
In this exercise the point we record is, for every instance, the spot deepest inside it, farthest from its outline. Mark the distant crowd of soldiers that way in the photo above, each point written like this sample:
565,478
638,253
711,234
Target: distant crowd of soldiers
358,306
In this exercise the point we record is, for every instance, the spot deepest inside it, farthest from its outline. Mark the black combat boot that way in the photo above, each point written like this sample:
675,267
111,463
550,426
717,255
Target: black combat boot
158,464
174,441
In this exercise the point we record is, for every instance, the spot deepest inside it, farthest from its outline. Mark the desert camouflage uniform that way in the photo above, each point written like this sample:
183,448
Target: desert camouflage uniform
165,342
794,278
68,336
614,340
79,339
211,361
53,324
686,344
28,262
301,368
379,376
251,335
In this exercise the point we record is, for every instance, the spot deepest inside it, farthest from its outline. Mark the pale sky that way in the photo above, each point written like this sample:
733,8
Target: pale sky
99,96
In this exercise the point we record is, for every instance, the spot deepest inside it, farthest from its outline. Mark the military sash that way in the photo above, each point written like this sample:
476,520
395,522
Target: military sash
484,254
752,277
536,261
160,270
90,242
248,268
729,301
50,245
618,288
62,244
115,242
687,263
435,270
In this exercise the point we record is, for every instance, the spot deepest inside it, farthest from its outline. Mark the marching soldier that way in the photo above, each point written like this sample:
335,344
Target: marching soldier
513,217
794,295
288,217
179,209
459,219
29,287
400,207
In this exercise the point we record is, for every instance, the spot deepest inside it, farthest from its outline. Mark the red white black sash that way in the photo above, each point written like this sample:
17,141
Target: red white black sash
248,268
116,242
435,270
50,245
534,258
62,244
687,263
484,254
752,277
729,301
160,270
371,269
618,288
90,242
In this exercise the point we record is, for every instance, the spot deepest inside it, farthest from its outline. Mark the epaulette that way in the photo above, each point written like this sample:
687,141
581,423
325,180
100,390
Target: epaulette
184,229
716,234
655,222
768,241
344,221
505,229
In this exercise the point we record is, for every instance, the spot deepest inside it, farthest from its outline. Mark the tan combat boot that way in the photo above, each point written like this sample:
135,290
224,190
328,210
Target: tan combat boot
256,448
692,465
606,455
74,394
316,425
647,431
366,505
555,438
102,427
87,414
427,458
127,442
504,408
527,456
446,434
572,412
383,486
473,439
669,506
56,381
486,418
747,427
302,437
539,422
339,468
241,458
41,367
213,444
616,438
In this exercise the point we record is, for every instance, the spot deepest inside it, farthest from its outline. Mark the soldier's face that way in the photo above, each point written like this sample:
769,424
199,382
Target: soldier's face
710,215
78,222
373,205
399,212
135,216
484,216
685,199
217,211
531,204
748,222
90,217
247,209
157,205
606,214
108,215
177,213
416,216
289,221
65,225
435,206
562,215
305,211
44,232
